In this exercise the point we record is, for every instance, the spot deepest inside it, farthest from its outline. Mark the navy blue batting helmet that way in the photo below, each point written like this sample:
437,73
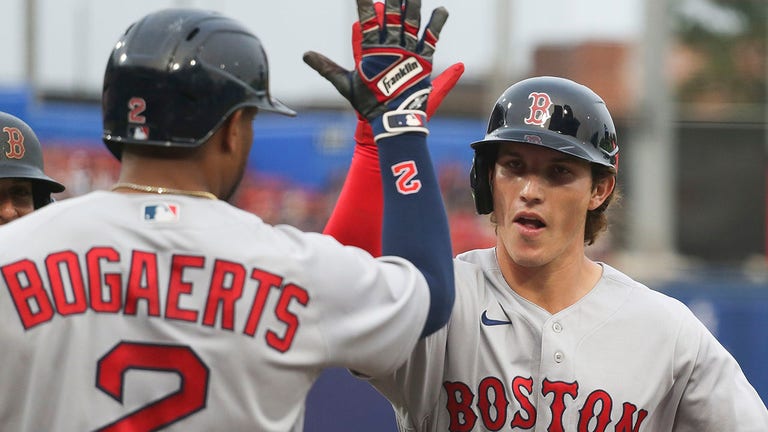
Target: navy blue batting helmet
552,112
176,75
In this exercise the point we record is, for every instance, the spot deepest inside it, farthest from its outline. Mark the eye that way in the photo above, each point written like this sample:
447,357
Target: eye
21,191
21,195
511,163
515,163
561,170
561,173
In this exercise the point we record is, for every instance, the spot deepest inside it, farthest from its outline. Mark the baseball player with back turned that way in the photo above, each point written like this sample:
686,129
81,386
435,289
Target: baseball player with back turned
542,338
158,305
24,186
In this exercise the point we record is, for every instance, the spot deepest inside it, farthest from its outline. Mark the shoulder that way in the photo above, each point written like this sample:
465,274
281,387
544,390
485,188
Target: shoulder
637,290
42,217
475,269
654,307
475,263
480,257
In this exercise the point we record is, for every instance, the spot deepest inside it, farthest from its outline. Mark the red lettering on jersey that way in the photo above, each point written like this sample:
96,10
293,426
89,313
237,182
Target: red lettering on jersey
518,385
182,361
177,287
625,423
67,294
26,288
492,403
113,281
226,288
500,402
15,141
559,389
289,293
266,281
539,109
459,406
587,413
405,173
143,284
67,261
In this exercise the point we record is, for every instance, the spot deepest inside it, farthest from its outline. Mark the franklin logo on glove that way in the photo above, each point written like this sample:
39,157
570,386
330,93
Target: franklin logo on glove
399,75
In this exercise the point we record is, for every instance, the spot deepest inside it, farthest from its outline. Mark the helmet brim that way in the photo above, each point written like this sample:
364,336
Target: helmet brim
34,175
544,138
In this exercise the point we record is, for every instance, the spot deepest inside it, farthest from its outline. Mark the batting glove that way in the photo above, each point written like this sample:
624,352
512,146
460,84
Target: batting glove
441,84
390,84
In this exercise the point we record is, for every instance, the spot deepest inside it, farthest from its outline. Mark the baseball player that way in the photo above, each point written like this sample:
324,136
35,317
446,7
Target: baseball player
24,186
158,305
542,338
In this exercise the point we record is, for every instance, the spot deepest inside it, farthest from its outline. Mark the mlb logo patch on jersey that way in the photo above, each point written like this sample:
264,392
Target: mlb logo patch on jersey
160,212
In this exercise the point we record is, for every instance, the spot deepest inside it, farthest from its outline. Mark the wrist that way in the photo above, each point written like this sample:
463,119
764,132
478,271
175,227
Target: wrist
398,122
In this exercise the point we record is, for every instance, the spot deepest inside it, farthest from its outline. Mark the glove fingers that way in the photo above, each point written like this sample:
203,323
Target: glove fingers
393,22
329,70
411,24
357,42
369,25
432,31
357,33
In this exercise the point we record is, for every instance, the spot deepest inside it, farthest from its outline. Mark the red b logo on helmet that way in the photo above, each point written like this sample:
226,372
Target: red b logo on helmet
539,109
16,143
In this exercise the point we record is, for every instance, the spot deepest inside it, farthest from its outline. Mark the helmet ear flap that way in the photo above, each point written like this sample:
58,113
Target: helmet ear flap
479,181
41,195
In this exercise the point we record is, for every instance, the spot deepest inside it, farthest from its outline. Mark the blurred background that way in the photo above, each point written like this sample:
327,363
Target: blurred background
685,81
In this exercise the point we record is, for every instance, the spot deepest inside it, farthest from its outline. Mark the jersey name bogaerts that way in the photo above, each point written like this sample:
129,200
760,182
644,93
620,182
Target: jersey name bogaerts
623,358
147,312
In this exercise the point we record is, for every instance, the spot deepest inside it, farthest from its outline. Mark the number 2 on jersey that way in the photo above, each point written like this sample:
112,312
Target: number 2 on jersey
190,397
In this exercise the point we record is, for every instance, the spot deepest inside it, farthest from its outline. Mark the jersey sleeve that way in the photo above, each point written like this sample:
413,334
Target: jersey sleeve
717,396
356,217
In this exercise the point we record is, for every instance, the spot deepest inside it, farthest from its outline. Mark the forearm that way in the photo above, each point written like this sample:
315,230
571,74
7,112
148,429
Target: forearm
356,219
415,225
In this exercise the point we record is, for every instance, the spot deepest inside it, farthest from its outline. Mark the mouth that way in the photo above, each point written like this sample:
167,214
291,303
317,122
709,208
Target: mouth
530,222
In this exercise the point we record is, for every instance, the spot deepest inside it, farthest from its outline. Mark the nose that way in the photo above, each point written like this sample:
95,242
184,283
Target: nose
532,191
8,211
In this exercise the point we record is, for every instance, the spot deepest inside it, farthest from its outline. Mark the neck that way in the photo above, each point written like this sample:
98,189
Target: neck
552,286
179,173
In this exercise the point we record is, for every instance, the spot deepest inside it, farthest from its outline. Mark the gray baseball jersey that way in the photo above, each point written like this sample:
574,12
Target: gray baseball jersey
136,312
623,358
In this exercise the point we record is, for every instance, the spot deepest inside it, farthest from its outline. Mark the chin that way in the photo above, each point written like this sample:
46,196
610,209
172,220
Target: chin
528,257
529,261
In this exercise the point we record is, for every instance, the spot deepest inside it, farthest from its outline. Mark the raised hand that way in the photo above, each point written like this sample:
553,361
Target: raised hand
441,84
393,68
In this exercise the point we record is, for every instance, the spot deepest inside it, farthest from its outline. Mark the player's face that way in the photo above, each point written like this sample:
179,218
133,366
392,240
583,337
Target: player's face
15,199
540,200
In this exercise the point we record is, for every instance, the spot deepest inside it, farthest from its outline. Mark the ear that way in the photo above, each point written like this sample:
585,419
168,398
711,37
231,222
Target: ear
231,132
601,191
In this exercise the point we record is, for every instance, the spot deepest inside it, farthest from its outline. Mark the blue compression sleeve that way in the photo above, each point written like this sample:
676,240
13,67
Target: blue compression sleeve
415,224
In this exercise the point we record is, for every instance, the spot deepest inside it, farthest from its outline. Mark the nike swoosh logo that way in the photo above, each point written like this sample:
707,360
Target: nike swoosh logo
492,322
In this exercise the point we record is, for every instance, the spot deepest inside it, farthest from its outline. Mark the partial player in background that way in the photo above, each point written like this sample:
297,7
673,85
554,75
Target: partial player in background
541,337
24,186
158,305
